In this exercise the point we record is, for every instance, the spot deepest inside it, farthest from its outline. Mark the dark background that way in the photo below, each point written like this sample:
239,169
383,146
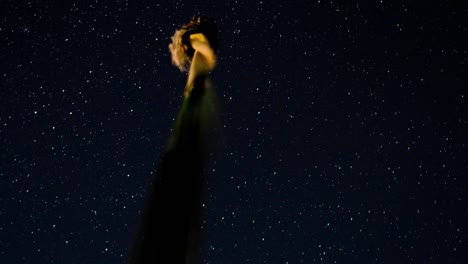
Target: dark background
344,139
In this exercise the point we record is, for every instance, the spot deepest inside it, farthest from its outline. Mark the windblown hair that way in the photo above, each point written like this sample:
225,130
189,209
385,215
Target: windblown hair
181,50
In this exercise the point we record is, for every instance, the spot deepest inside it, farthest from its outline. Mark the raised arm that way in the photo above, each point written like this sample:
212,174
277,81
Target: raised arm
203,61
201,44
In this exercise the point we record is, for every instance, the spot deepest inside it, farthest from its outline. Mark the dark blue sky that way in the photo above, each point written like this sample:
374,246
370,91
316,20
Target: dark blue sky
344,138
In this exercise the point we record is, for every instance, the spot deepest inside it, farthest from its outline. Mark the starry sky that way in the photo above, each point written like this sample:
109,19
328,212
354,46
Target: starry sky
344,129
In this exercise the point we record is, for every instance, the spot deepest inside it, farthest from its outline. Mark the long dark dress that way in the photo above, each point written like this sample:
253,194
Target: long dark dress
169,230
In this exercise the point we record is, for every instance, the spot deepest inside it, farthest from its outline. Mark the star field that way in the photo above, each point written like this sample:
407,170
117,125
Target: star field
344,134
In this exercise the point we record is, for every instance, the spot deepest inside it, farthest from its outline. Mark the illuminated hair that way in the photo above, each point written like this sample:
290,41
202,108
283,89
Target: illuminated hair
181,49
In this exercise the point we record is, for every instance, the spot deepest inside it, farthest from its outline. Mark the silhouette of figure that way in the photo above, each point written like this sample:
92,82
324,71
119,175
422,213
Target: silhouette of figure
170,226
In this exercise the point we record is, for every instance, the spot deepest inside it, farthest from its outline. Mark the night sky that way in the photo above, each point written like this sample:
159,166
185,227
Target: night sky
344,138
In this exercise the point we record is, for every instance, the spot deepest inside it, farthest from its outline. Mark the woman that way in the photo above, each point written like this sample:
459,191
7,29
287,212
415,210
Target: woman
169,230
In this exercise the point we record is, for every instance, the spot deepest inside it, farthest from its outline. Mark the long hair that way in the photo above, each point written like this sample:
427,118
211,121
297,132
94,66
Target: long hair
181,50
